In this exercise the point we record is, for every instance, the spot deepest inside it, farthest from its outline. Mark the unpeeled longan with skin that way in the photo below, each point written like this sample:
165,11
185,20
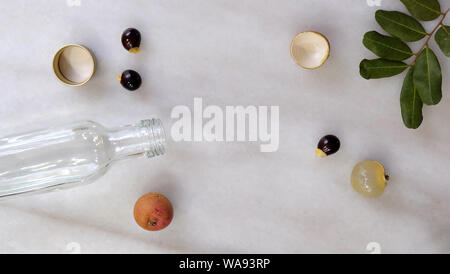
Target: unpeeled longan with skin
153,211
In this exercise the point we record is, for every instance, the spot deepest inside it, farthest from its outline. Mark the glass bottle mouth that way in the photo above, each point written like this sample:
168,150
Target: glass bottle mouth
153,130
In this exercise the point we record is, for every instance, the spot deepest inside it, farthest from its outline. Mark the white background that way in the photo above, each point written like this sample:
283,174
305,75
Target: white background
228,197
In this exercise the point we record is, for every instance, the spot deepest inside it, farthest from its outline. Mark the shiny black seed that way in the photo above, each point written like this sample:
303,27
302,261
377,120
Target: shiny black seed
130,80
329,144
131,40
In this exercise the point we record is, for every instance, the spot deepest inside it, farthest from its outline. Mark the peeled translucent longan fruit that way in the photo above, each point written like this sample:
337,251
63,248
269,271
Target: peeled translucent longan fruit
369,179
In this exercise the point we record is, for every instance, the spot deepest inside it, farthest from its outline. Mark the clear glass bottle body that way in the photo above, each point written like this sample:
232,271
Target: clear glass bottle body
71,155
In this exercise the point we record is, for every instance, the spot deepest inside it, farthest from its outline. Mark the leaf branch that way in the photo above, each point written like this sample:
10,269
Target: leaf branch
429,36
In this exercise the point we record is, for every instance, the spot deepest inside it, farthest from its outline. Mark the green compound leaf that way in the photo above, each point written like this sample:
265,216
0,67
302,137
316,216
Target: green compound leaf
442,38
428,77
380,68
410,102
400,25
386,47
425,10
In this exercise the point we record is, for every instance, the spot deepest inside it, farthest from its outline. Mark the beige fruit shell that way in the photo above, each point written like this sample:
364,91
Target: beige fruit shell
310,49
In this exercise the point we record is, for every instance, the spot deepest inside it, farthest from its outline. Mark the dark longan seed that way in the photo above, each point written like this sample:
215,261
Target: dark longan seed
130,80
131,40
329,144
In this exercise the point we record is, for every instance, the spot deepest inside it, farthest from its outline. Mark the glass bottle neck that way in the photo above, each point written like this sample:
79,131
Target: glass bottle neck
144,139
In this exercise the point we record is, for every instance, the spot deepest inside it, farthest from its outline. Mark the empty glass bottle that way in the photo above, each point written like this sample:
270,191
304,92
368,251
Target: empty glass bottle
72,155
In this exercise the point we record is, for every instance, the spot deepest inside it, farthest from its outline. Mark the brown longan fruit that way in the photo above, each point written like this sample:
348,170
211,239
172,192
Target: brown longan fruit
153,211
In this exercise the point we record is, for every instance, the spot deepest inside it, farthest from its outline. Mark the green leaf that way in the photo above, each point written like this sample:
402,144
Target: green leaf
443,39
425,10
428,77
400,25
380,68
386,47
410,102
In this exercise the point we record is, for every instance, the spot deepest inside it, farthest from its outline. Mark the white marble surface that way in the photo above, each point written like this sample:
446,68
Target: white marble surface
228,197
